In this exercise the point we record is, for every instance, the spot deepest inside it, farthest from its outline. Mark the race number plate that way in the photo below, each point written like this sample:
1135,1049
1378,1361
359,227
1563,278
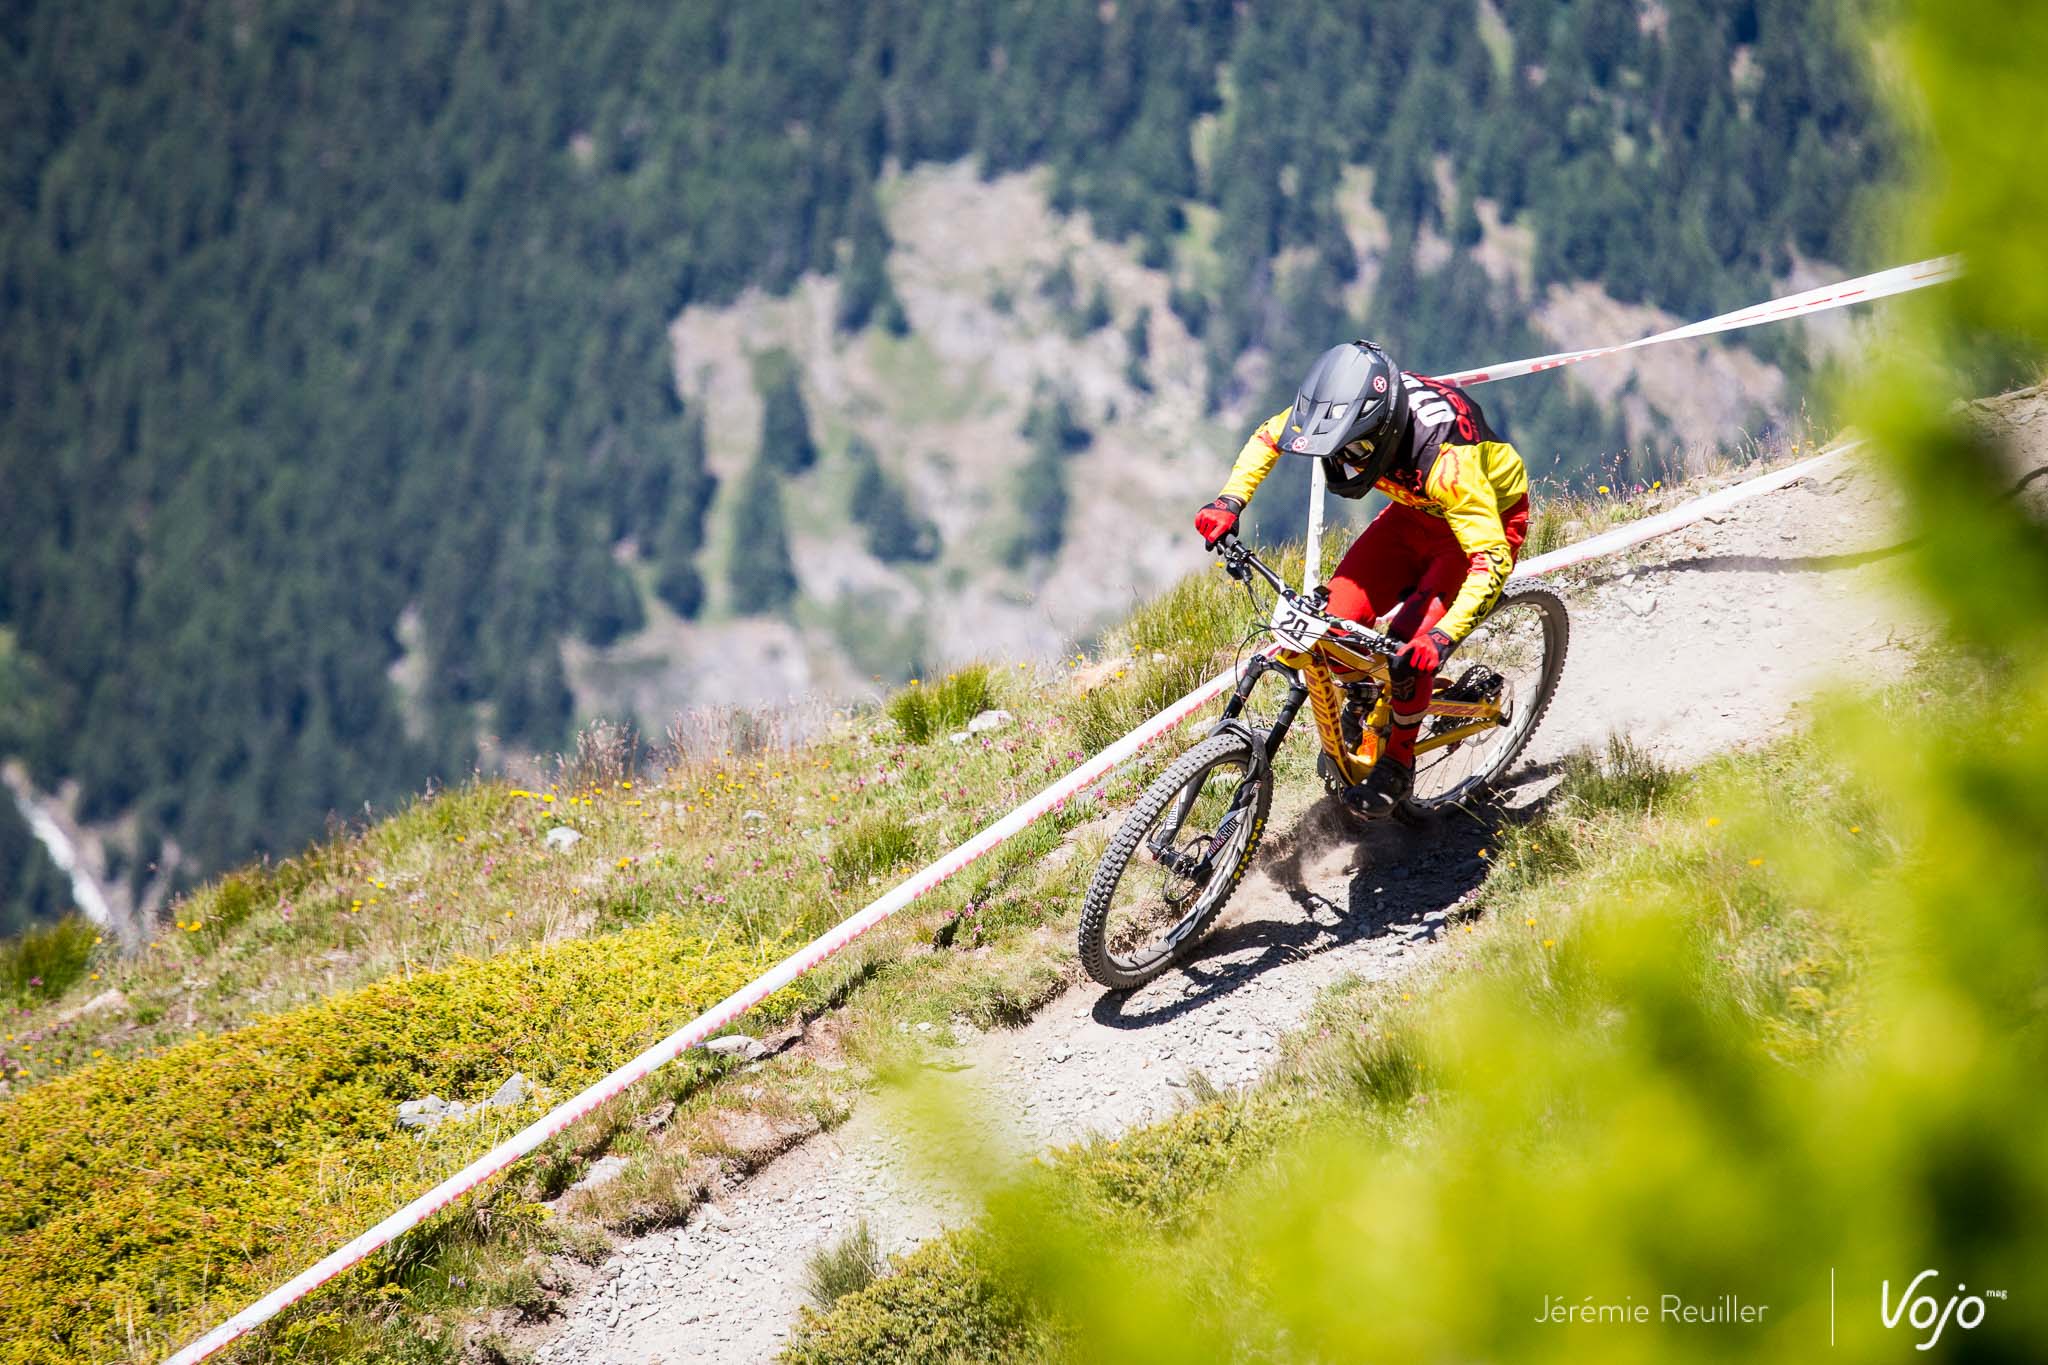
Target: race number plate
1297,627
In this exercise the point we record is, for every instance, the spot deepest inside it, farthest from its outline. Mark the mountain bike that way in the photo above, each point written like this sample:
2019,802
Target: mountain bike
1186,845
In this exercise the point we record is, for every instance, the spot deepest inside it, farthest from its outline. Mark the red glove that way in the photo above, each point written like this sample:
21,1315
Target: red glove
1218,519
1425,653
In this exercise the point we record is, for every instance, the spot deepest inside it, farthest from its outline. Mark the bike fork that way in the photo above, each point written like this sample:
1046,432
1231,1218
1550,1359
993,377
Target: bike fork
1264,745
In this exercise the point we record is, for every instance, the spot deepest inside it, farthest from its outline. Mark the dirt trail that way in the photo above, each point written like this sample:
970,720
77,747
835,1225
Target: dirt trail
1705,638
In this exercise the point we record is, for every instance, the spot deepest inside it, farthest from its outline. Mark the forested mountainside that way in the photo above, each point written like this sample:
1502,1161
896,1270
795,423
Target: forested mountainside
336,390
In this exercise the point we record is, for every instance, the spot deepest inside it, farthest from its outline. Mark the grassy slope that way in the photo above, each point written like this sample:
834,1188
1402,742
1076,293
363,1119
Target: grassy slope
1365,1074
264,1039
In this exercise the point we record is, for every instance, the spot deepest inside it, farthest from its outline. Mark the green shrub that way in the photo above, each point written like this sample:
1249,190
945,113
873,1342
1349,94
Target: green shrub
229,901
928,711
47,959
849,1264
1159,1173
1109,712
935,1307
871,845
142,1199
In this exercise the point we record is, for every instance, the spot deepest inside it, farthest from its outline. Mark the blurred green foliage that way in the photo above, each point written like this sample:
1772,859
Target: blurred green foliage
315,313
32,887
46,960
1774,1032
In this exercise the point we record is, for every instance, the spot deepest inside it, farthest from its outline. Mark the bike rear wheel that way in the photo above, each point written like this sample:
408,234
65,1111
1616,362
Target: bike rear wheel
1175,861
1516,653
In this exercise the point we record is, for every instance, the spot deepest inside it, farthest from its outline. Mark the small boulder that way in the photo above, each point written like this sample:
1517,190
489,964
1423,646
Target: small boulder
602,1171
957,737
431,1112
510,1095
563,838
990,720
736,1045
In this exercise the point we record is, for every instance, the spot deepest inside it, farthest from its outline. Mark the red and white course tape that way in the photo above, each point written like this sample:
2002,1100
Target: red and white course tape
1685,514
1094,770
1898,280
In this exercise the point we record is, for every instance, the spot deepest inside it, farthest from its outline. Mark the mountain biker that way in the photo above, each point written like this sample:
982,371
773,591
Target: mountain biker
1434,560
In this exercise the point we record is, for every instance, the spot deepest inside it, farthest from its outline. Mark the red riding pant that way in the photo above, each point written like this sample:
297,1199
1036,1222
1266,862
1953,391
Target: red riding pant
1406,566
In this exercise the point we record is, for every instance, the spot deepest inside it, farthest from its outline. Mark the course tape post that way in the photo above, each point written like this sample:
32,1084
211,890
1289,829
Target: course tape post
1052,798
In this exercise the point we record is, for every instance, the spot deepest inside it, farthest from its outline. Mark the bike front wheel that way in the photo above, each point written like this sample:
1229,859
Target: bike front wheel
1175,861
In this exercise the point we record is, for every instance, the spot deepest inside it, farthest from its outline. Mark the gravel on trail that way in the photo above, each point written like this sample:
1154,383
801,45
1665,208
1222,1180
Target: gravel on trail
1703,639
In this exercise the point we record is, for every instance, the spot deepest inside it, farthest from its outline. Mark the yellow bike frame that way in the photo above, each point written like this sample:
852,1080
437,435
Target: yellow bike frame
1318,667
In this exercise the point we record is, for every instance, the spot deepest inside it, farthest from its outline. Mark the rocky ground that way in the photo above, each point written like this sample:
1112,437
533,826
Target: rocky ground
1705,638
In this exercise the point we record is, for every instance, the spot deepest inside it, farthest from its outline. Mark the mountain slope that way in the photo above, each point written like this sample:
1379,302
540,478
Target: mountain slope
337,340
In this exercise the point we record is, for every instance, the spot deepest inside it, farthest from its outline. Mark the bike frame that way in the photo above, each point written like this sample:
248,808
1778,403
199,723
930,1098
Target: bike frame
1311,661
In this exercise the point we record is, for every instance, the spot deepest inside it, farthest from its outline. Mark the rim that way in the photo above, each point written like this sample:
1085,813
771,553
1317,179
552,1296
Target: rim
1511,645
1179,870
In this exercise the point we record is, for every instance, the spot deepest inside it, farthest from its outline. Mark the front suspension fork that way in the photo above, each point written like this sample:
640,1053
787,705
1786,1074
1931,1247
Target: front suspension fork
1264,745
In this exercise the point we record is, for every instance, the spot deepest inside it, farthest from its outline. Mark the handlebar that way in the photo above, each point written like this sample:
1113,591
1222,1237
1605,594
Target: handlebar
1241,563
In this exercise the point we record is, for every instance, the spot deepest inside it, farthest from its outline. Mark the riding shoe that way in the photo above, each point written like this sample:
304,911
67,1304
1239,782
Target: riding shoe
1384,789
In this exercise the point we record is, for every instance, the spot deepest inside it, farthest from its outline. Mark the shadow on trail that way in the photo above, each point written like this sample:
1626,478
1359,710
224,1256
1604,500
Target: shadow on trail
1397,883
1772,564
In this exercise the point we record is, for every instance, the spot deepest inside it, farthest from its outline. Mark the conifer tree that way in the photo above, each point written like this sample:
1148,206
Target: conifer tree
1137,350
690,488
785,421
759,571
865,293
882,505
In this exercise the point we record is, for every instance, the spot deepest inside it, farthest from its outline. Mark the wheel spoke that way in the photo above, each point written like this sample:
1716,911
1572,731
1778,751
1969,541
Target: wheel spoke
1508,659
1192,849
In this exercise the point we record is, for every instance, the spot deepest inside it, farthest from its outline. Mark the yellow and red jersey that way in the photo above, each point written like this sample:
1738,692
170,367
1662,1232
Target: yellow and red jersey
1448,463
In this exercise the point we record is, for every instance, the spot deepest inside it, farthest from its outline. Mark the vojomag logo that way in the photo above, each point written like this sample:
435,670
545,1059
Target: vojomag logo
1923,1313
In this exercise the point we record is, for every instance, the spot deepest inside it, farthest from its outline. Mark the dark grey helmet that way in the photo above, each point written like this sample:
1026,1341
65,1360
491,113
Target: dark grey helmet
1353,395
